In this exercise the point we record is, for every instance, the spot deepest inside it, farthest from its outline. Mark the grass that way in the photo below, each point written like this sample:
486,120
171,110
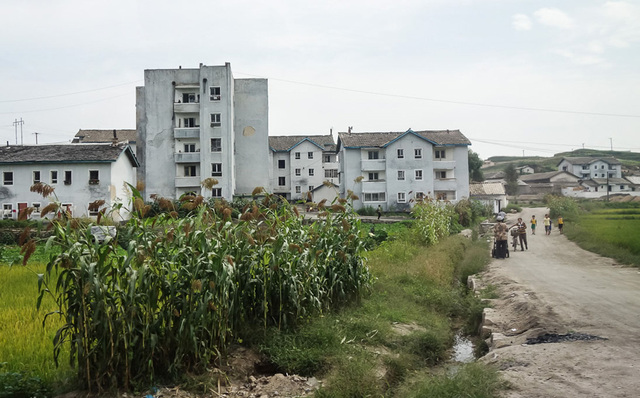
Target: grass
25,346
402,329
609,232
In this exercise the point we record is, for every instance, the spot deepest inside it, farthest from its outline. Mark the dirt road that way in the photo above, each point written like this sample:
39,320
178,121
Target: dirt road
556,287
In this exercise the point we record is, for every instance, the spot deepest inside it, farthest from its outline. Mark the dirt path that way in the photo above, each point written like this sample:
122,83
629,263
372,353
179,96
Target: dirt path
556,287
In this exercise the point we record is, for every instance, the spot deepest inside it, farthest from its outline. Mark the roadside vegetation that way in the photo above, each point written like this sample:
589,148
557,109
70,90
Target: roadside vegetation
607,228
176,292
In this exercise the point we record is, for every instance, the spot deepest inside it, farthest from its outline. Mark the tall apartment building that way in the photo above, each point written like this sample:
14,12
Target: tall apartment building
399,168
302,163
198,123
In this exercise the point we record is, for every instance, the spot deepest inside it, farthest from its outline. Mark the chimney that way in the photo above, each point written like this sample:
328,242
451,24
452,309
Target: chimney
114,140
349,129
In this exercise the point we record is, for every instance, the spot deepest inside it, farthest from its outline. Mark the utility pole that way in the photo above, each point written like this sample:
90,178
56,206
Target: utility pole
16,123
611,141
36,134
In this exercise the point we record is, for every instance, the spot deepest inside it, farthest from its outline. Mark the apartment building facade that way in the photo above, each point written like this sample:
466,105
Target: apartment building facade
397,169
79,173
590,168
193,124
302,163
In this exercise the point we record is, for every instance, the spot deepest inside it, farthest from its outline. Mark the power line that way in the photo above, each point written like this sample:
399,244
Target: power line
67,106
74,93
521,108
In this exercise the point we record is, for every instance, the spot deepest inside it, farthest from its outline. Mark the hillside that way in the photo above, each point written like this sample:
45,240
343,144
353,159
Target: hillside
629,160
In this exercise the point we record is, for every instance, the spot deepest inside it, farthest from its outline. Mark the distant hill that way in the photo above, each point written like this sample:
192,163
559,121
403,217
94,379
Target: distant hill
629,160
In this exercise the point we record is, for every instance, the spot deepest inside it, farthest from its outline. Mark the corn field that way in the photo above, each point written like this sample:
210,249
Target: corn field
185,288
432,220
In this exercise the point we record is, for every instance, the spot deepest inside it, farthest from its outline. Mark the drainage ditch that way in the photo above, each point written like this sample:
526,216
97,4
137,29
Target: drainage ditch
558,338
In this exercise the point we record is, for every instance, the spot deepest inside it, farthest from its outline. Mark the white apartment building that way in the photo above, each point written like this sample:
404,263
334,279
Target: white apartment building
400,168
589,168
80,174
302,163
198,123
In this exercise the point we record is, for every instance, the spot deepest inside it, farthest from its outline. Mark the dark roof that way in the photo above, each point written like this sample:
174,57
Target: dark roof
544,176
93,136
436,137
589,160
75,153
283,143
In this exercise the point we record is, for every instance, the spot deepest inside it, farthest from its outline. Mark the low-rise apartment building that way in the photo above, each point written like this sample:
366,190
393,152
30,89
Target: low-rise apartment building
80,174
591,167
399,168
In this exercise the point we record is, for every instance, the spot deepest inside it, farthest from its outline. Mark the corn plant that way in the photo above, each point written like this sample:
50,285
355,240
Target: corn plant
432,220
185,288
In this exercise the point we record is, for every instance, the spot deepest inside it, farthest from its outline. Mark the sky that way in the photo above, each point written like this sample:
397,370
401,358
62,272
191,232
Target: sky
516,77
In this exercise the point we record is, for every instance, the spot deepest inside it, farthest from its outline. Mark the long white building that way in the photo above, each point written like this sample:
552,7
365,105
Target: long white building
198,123
399,168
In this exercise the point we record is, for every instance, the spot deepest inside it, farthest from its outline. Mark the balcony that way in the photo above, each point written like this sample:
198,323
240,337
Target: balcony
189,107
374,165
188,182
374,186
191,132
448,184
188,157
443,164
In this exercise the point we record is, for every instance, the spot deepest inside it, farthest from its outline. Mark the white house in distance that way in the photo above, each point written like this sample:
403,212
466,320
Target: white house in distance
401,168
198,123
590,167
302,163
80,174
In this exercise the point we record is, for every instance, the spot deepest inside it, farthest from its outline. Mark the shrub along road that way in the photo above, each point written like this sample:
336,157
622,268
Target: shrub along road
556,287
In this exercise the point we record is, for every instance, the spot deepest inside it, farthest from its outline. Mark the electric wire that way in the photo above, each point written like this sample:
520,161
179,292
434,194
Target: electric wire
74,93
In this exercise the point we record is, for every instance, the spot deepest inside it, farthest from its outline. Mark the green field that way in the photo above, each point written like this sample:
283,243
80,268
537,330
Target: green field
611,232
25,346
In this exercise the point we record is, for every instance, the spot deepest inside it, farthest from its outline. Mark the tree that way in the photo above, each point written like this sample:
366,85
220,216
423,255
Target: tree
475,163
511,178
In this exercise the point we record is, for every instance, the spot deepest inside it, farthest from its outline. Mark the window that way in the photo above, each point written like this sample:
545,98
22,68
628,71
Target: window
311,187
311,172
327,158
441,174
54,176
298,172
440,154
216,169
36,176
214,93
441,196
417,153
7,210
418,174
93,212
67,207
298,189
216,145
190,122
297,155
282,181
373,155
373,176
94,176
309,155
36,207
281,163
189,147
402,197
584,167
331,173
374,197
400,153
400,175
216,192
420,196
190,171
67,177
188,98
7,178
215,120
602,167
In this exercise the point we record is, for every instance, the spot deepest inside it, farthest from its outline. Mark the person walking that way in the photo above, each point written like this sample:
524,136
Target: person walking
522,234
500,234
547,224
379,211
560,223
534,222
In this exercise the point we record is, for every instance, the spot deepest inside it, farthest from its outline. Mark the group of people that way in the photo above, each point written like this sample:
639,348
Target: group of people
518,232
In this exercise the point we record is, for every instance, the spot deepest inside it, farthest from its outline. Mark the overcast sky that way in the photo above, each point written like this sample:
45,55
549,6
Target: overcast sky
515,76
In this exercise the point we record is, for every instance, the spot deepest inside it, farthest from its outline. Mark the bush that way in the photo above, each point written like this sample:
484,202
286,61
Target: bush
562,206
17,385
511,207
367,211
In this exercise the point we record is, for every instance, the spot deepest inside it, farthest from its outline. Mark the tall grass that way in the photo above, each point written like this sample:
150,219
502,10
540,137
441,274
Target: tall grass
184,289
